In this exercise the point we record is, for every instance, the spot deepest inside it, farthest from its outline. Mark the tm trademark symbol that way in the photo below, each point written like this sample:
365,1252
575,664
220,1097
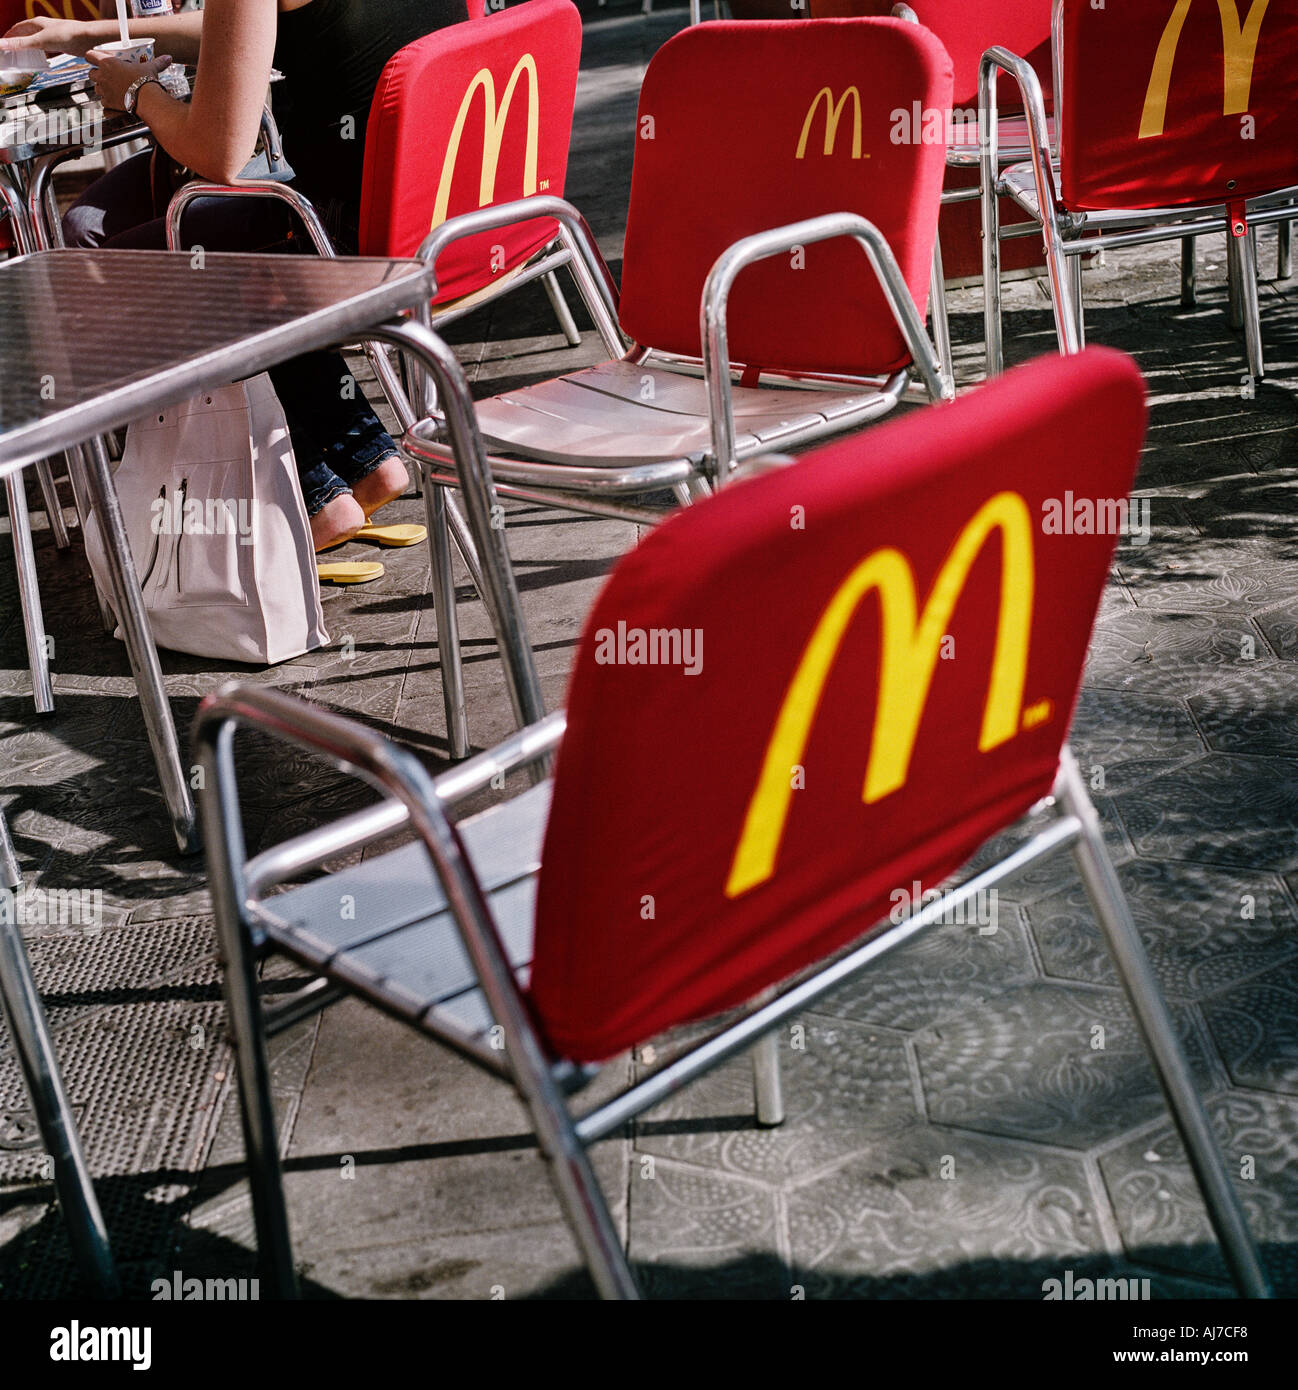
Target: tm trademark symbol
543,185
1038,713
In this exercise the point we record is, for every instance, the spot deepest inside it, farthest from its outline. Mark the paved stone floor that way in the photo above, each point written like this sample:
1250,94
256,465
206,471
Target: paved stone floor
952,1130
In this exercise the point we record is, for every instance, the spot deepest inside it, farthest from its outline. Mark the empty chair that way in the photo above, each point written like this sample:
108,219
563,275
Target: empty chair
761,743
967,28
776,266
1173,122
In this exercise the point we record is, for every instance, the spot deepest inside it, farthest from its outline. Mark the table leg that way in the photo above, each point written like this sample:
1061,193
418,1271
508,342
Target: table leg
50,500
10,877
13,193
36,1055
140,648
29,594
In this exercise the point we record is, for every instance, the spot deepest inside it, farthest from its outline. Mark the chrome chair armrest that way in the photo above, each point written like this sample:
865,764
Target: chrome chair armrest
761,246
300,854
269,140
995,61
248,188
594,280
534,744
393,770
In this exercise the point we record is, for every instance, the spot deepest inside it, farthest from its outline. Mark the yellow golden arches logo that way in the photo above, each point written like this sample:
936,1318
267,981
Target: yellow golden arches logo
69,9
909,646
493,132
833,114
1239,50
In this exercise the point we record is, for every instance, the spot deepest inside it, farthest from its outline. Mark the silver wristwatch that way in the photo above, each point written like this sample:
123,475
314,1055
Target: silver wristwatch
132,93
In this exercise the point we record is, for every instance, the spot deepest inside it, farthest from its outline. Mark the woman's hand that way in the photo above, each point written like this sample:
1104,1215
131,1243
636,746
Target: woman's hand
112,77
52,35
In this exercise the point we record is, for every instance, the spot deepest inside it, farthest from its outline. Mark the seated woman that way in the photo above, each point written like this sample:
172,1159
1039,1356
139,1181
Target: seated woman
331,54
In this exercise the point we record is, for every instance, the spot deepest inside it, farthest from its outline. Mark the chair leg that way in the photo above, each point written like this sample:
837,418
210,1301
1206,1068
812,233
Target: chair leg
1079,311
80,461
1283,253
448,622
768,1094
29,594
1243,254
589,1218
567,325
991,248
1235,309
1189,273
1155,1025
1061,282
261,1144
937,308
53,507
20,1003
10,874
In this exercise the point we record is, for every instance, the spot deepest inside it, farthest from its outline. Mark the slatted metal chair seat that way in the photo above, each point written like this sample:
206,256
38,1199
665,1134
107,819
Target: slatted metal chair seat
627,412
1013,138
384,929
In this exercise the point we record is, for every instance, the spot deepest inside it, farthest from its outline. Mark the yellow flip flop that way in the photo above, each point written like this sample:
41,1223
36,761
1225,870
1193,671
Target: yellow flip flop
349,571
398,535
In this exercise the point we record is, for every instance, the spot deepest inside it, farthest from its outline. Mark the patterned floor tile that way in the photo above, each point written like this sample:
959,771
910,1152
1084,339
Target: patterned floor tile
844,1086
1251,712
1060,1066
1170,653
1255,1028
950,967
1234,811
1129,736
1161,1214
943,1215
1202,928
701,1235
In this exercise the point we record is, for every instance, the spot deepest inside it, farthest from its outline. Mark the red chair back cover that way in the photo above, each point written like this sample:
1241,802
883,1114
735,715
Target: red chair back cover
967,29
744,126
712,833
475,114
1177,101
15,11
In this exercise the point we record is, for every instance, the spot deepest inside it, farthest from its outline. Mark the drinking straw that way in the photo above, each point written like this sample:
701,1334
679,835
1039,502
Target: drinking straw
121,21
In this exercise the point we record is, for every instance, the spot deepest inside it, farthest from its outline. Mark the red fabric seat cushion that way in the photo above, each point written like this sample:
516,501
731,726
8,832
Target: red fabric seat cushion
711,832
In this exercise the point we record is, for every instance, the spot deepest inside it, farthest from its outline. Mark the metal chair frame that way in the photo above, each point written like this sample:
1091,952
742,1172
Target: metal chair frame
1069,235
573,485
443,517
20,1004
957,157
601,490
248,929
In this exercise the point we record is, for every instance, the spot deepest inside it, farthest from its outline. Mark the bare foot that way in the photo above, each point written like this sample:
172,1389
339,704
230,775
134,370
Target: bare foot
337,521
387,482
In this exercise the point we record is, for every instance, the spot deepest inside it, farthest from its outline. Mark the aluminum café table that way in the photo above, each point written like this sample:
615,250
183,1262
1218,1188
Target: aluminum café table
52,122
117,334
94,339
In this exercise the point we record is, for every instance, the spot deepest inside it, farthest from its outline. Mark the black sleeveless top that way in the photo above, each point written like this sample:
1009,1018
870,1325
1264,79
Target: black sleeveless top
332,53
